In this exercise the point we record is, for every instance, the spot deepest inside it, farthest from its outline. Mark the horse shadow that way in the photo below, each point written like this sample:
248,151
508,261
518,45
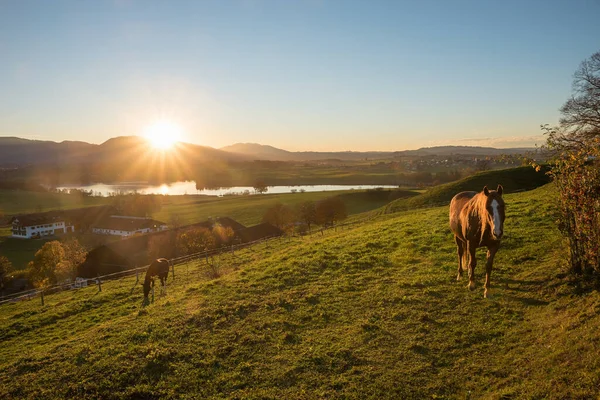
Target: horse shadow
522,286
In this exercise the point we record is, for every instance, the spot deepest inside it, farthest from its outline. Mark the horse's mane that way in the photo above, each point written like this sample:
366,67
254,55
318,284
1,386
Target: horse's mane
477,208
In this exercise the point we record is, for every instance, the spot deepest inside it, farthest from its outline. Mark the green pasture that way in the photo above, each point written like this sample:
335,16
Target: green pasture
23,202
368,312
349,173
249,210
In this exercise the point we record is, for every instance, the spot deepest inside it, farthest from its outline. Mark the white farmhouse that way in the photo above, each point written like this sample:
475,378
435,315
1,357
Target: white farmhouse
127,226
40,225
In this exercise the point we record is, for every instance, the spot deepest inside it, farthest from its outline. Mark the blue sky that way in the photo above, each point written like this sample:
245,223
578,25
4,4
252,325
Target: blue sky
299,75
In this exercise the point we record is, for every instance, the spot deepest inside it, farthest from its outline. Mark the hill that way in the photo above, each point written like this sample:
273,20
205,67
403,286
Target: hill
259,151
265,152
512,180
21,152
463,150
371,310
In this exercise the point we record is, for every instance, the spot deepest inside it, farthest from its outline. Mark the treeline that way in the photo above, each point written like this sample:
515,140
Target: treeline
425,178
177,243
305,215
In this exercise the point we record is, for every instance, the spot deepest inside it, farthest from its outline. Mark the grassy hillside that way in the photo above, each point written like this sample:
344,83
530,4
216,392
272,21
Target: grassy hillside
248,210
512,180
372,312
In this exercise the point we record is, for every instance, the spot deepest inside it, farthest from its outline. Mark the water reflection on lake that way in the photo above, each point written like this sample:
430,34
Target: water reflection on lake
180,188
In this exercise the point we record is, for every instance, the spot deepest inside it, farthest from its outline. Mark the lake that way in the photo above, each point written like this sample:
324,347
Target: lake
180,188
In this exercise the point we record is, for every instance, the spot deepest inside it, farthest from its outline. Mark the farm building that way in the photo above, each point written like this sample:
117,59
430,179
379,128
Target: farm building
258,232
57,222
127,226
40,225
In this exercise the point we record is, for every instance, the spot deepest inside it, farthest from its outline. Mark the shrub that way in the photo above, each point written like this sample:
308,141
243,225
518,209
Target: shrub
575,146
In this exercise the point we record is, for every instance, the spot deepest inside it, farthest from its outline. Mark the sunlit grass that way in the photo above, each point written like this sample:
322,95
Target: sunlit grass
371,310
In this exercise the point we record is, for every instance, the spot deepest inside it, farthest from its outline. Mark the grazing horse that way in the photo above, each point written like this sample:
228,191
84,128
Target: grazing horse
160,268
477,220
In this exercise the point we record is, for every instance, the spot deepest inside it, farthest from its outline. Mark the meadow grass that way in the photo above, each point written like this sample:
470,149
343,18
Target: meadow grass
368,312
13,202
247,210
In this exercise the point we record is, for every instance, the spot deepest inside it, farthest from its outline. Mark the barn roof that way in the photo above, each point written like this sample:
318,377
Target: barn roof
231,223
258,232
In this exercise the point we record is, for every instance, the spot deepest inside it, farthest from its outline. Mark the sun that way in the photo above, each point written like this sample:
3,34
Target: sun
163,134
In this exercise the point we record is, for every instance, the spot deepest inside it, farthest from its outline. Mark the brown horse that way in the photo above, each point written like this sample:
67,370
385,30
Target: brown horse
160,268
477,220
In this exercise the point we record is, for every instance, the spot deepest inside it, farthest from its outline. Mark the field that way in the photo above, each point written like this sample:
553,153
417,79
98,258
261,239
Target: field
22,202
247,210
370,312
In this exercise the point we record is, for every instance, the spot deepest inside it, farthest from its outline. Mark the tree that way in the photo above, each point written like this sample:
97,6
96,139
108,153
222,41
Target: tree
42,270
279,215
581,113
223,234
575,146
306,213
260,186
331,210
55,262
5,269
74,256
195,241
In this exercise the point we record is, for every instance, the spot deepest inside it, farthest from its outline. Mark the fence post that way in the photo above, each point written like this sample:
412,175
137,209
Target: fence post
42,296
173,268
99,284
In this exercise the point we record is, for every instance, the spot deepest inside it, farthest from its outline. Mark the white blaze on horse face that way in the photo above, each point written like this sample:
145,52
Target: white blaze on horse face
497,221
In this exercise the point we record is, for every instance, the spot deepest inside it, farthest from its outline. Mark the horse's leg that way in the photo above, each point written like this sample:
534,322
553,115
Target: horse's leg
471,249
488,267
460,247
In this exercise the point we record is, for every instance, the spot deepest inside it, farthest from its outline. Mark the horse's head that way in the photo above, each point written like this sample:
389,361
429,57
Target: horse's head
495,207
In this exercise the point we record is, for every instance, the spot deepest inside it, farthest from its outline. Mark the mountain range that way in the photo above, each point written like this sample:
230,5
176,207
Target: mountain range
265,152
17,152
